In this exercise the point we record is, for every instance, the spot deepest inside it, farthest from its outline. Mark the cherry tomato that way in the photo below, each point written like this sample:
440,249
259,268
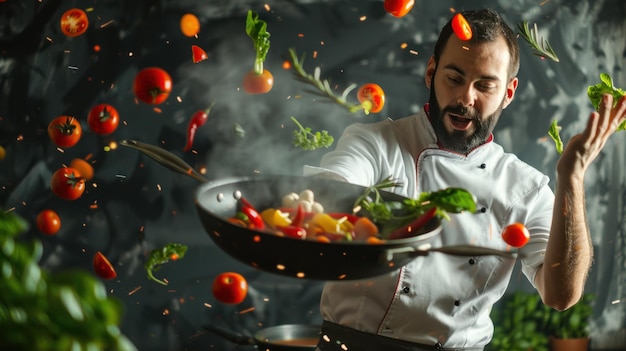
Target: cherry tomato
48,222
67,183
461,27
398,8
152,85
103,119
254,83
198,54
516,235
65,131
230,288
372,97
189,25
103,268
83,167
74,22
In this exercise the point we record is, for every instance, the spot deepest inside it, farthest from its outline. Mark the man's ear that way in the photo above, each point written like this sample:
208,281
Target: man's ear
430,71
510,91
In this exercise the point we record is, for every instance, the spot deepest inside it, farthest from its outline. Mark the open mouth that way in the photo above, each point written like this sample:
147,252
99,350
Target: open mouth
460,123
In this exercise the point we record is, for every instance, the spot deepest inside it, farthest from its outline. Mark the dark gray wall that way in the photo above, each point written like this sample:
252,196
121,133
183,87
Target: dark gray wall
141,205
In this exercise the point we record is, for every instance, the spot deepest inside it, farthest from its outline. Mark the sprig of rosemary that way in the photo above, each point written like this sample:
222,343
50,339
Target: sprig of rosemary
323,85
540,45
306,139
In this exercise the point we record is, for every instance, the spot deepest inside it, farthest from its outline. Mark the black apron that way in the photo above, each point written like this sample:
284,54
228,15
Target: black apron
336,337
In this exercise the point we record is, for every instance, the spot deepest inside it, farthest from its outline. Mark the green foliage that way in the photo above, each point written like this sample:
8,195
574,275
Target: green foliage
573,322
306,139
41,311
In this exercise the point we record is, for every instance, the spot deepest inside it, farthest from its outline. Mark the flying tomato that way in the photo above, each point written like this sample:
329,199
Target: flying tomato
230,288
103,268
74,22
67,183
198,54
516,235
84,168
461,27
65,131
48,222
152,85
398,8
189,25
103,119
372,97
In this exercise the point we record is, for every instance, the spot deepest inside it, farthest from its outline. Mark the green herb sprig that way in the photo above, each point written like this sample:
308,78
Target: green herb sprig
391,215
257,31
322,86
306,139
540,45
157,257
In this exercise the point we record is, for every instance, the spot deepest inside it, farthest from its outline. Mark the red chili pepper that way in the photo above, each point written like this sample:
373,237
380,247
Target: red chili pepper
254,218
414,226
196,121
298,218
292,231
350,217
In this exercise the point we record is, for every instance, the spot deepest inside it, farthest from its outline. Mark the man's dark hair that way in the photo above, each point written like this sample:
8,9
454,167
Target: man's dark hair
487,25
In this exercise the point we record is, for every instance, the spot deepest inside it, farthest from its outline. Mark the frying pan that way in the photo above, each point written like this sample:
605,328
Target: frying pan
284,337
217,200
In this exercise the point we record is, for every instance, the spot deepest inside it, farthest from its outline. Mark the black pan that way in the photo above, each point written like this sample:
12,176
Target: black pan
285,337
217,200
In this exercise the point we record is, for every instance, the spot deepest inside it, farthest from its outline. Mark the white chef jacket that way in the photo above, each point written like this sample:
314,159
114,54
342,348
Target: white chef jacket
440,300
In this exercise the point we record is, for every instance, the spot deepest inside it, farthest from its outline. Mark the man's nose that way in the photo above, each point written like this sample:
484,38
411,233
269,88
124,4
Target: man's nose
467,96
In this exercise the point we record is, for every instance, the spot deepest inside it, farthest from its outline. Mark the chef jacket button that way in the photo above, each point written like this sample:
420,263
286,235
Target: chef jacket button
406,289
438,346
471,261
457,302
483,166
483,209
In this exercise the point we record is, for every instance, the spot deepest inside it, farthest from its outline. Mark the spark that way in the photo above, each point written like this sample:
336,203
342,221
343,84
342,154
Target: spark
121,176
207,305
544,2
300,35
403,45
106,24
72,67
362,18
134,290
247,310
413,52
267,7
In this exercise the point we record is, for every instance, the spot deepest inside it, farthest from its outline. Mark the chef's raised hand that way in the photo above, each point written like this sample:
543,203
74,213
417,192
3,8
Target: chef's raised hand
583,148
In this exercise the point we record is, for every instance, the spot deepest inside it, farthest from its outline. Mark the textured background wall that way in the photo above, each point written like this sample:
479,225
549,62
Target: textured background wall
133,204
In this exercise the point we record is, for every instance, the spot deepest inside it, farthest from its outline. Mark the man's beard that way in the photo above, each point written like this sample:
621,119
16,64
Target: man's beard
458,140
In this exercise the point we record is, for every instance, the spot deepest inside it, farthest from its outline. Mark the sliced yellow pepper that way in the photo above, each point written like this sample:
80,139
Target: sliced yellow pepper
275,218
328,224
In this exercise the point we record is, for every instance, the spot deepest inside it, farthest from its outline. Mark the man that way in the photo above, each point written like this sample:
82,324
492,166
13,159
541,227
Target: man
438,301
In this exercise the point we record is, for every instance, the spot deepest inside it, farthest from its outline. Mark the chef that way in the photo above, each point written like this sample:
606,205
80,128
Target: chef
443,302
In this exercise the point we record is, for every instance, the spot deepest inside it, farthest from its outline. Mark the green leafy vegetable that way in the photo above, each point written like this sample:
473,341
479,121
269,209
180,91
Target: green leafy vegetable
305,139
541,46
257,31
323,88
64,310
554,133
391,215
171,251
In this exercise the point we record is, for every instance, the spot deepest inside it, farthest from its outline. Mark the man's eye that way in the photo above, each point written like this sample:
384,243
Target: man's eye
455,80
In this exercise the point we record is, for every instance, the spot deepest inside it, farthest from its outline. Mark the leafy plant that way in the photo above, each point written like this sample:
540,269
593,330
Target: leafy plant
306,139
67,310
159,257
573,322
540,45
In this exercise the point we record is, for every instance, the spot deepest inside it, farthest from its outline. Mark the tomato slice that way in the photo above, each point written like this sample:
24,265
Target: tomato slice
103,268
74,22
198,54
372,97
461,27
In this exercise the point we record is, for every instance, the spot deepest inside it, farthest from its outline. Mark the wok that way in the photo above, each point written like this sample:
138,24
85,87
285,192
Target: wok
285,337
217,200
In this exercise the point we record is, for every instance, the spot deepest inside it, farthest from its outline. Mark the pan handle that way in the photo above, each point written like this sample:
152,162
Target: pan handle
458,250
230,336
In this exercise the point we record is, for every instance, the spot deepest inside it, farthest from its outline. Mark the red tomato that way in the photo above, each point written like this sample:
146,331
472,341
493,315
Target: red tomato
67,183
254,83
48,222
103,119
373,96
398,8
461,27
516,235
104,269
74,22
152,85
230,288
198,54
189,25
65,131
